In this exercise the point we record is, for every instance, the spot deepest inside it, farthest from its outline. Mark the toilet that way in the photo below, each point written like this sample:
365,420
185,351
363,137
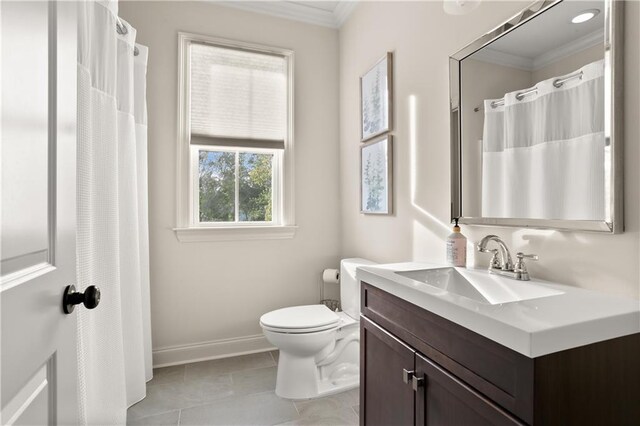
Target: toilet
319,348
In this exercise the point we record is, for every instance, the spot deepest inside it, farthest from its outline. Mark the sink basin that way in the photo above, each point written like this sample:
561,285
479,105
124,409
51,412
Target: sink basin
480,285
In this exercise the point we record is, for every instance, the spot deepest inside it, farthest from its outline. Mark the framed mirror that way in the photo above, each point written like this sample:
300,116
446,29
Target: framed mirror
536,120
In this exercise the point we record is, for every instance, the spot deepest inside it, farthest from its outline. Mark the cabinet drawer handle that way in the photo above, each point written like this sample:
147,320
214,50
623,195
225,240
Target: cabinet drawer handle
407,375
417,382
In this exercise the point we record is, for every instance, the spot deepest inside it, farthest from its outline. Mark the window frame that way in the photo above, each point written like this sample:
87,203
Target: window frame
188,227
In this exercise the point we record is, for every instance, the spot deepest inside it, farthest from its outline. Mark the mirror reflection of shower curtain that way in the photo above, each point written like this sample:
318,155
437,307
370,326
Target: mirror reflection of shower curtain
544,155
114,360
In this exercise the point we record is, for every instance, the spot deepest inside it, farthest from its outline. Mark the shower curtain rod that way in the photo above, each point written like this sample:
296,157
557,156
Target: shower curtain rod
557,83
122,30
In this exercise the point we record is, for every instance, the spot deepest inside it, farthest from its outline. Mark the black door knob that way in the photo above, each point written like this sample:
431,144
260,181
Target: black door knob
90,298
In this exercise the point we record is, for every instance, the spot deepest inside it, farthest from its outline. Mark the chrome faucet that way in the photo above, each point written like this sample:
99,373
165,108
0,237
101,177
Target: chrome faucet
504,263
501,262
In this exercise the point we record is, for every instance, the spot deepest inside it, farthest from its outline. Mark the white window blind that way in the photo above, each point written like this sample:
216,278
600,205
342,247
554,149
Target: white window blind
238,98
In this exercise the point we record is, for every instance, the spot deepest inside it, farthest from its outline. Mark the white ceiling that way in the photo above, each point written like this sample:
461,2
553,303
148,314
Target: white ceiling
551,29
330,14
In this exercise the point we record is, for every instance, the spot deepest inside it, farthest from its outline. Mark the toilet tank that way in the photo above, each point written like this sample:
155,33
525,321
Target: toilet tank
350,287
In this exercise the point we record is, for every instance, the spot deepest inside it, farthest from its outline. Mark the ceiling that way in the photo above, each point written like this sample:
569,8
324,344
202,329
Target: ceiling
550,34
330,14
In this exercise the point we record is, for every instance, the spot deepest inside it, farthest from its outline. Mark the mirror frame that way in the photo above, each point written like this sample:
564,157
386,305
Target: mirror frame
614,51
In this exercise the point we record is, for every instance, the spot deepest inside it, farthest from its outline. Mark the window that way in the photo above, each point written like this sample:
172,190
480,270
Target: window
235,142
234,186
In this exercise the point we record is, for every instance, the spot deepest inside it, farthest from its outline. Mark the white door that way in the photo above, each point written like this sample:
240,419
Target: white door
38,341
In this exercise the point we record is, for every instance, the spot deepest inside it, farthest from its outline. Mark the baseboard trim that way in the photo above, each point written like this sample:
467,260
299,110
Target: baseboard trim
215,349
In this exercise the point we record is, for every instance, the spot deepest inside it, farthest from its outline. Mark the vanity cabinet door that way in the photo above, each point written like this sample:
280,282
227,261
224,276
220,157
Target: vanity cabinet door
385,397
443,400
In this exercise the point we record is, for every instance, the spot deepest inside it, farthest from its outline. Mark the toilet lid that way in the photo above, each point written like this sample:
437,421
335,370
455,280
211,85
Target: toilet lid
300,317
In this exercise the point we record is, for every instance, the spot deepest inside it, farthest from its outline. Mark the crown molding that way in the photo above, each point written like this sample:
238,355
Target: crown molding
343,11
297,11
561,52
505,59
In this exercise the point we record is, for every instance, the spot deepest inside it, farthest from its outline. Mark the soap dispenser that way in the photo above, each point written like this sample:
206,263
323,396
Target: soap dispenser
457,247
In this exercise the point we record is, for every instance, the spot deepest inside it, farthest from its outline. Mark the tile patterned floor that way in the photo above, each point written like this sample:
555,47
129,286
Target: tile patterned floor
234,391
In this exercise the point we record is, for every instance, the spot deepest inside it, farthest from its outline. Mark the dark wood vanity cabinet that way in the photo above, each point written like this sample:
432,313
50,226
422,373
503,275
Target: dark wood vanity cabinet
420,369
442,399
390,401
402,387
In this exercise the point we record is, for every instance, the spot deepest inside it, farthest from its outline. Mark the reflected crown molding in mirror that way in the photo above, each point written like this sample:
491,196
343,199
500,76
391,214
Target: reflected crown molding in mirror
610,33
531,64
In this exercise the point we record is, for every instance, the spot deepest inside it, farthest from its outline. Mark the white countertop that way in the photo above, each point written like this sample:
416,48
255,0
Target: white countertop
573,317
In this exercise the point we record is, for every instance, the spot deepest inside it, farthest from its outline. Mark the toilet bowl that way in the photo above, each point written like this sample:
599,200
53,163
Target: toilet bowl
319,348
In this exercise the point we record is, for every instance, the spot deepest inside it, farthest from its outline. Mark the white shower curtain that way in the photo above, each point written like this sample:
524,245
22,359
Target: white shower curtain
112,243
544,155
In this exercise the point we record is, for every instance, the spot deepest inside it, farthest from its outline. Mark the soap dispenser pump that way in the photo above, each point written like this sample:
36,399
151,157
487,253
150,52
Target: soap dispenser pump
457,247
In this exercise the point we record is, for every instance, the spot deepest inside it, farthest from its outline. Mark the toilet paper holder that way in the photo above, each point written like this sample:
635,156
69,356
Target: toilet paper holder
329,276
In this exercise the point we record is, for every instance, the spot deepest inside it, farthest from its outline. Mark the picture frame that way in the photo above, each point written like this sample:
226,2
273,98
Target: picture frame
376,176
376,99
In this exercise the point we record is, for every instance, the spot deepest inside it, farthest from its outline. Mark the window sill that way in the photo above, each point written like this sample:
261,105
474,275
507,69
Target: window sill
237,233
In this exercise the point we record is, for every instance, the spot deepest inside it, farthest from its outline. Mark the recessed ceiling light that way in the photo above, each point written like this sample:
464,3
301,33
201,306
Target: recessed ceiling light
584,16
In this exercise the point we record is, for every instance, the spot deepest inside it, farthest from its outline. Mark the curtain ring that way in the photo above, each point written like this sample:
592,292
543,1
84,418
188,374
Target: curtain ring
559,82
121,28
521,95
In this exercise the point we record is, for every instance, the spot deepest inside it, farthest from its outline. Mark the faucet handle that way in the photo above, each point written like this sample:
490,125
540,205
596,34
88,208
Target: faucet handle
520,255
520,268
495,261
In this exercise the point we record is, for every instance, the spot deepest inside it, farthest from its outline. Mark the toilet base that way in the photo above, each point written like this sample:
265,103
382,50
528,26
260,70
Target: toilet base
329,387
302,378
299,379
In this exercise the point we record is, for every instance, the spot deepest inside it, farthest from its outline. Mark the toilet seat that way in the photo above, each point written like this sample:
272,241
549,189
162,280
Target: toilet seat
300,319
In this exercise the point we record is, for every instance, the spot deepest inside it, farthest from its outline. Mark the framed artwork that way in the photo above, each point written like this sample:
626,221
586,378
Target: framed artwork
375,99
376,176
